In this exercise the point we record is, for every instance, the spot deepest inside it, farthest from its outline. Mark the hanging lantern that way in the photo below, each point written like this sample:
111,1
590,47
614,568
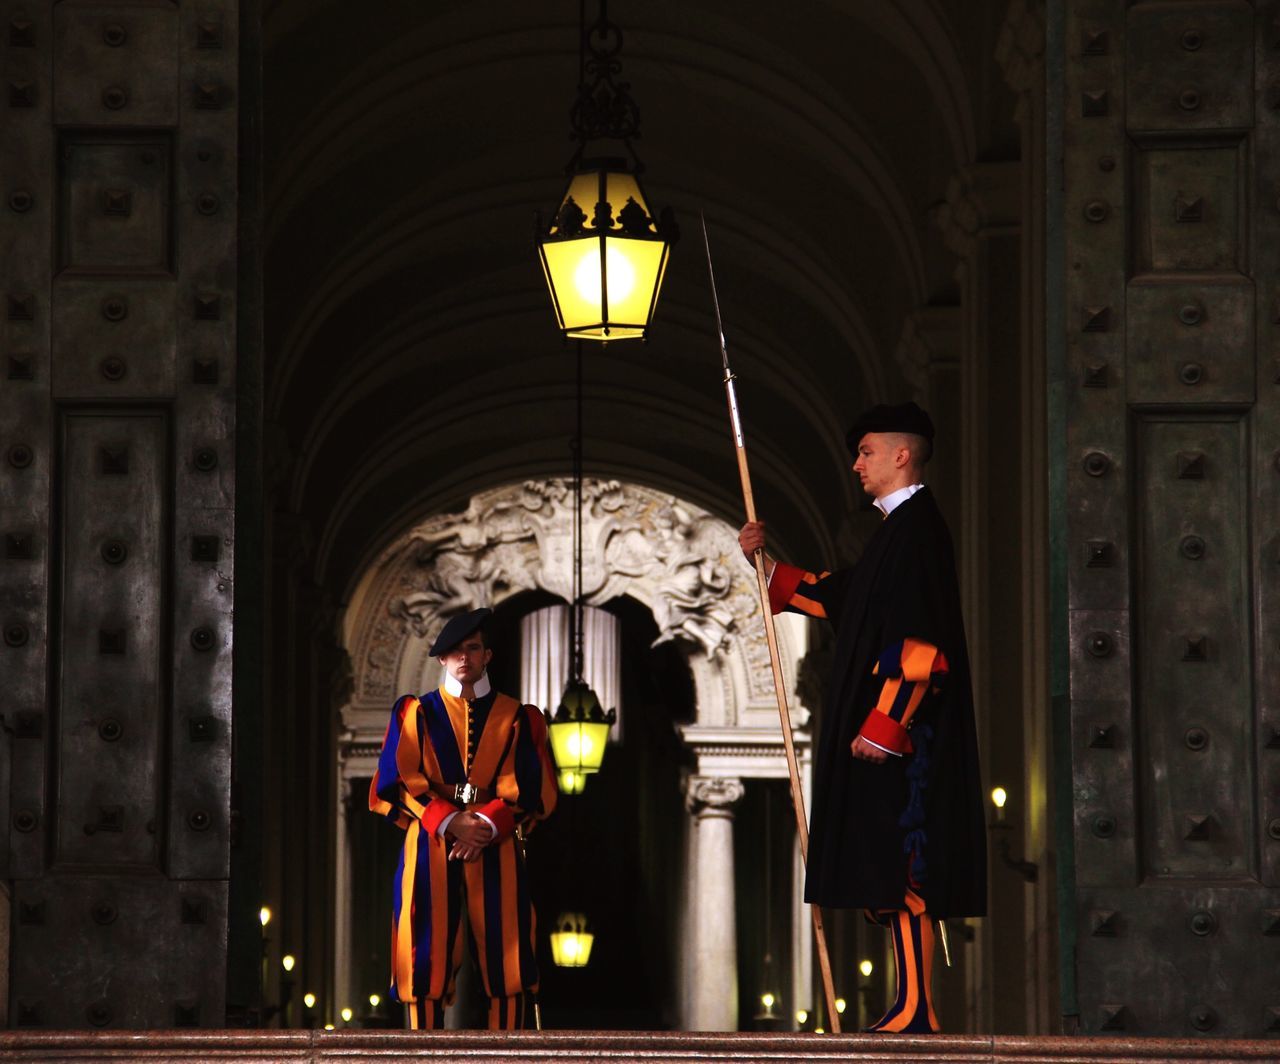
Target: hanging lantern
579,735
604,254
571,941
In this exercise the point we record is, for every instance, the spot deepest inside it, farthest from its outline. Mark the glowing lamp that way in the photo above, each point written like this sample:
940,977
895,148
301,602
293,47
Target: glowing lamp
841,1005
328,1027
999,796
347,1013
866,968
571,941
802,1016
309,1000
375,1000
288,961
572,782
604,256
579,733
264,916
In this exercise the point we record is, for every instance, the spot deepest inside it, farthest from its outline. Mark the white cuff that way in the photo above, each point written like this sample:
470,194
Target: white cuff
444,825
895,753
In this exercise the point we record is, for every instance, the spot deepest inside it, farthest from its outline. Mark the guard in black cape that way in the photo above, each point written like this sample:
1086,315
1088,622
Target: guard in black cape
897,826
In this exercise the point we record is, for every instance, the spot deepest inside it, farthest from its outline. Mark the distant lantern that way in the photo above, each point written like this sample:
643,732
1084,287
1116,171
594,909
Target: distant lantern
571,941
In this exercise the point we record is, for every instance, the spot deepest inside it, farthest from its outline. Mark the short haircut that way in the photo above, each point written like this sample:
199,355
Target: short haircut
921,448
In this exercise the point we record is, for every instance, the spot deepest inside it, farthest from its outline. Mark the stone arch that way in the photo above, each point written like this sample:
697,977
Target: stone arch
673,557
670,555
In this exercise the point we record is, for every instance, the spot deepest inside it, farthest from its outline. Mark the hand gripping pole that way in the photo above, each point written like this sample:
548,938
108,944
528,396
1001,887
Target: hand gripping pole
779,687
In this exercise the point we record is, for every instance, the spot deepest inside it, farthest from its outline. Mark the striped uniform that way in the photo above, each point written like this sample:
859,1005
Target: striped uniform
499,746
910,670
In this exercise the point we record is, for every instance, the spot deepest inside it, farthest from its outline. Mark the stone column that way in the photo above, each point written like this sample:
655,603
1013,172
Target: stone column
713,993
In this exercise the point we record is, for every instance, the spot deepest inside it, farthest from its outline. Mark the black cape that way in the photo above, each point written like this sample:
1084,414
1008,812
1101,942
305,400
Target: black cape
903,586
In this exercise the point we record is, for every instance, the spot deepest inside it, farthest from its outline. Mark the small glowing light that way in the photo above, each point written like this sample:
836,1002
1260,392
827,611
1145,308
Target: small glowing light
802,1016
572,782
309,1000
819,1030
375,1000
866,968
841,1005
288,961
328,1027
347,1014
571,941
767,1000
264,916
999,796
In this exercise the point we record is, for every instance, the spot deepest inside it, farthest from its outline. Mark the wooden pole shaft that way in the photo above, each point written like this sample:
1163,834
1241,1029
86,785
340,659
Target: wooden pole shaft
784,713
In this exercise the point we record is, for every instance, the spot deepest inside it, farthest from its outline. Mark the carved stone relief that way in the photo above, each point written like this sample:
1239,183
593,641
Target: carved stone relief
668,554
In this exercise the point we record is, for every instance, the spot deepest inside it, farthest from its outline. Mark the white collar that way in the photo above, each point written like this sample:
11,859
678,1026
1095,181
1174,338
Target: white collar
482,685
886,504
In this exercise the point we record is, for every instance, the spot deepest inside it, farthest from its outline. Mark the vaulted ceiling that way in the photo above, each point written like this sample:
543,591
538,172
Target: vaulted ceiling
412,357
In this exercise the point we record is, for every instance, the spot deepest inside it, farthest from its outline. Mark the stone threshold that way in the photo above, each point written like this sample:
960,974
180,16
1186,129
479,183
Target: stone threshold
355,1047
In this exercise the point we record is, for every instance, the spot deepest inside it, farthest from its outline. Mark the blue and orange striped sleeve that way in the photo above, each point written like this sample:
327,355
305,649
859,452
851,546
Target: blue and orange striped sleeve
526,788
794,590
400,782
910,669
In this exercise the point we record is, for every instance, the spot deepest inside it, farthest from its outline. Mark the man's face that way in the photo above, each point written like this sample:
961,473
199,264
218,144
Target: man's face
467,661
881,456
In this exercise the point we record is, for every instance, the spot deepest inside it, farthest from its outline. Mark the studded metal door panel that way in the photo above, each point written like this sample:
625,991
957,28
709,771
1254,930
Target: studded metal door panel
1172,193
117,413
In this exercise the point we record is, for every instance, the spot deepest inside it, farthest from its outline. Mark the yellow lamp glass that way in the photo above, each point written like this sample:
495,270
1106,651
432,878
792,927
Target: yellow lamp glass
572,782
603,257
571,941
309,1000
579,745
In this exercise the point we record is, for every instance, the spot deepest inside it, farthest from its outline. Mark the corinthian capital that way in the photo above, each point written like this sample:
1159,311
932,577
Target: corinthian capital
713,795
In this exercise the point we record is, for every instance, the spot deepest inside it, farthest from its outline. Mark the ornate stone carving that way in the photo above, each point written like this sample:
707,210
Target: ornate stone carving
713,795
674,557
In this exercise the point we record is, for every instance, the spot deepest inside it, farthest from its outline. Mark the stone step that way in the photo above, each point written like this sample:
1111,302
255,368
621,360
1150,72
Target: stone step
359,1047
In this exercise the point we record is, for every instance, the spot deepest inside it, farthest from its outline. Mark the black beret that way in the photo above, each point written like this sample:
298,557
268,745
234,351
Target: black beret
457,630
904,417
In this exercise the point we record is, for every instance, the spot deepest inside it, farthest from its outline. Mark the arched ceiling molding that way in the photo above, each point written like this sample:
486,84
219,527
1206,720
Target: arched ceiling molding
805,271
836,140
759,356
918,29
409,454
799,264
921,32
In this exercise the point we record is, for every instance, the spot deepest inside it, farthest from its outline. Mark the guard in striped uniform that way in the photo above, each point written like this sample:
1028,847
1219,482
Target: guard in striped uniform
465,772
897,826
